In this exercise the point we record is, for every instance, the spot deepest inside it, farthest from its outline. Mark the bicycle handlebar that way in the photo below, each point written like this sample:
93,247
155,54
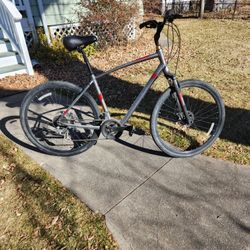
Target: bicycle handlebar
169,16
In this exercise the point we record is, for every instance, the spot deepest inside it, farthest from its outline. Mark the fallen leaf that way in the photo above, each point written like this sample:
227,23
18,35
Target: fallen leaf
2,181
54,220
11,167
18,214
37,232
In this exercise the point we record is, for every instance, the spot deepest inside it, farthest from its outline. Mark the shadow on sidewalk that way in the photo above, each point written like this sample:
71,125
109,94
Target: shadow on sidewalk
120,94
140,144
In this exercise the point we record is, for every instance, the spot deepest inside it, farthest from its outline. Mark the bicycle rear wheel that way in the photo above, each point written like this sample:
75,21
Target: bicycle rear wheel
42,122
206,111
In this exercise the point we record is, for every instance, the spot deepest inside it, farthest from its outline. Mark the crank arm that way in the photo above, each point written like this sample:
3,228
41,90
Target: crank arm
128,128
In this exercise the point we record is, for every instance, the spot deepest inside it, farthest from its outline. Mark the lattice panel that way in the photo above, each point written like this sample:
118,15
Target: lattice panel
60,31
66,30
130,30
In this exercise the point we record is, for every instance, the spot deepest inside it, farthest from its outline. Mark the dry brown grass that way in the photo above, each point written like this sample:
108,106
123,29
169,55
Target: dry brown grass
37,212
216,51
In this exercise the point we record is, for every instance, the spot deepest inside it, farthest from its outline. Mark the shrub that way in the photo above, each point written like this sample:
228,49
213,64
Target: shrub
56,53
152,6
108,19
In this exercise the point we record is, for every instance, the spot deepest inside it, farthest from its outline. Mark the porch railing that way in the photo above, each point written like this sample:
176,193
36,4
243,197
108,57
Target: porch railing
10,23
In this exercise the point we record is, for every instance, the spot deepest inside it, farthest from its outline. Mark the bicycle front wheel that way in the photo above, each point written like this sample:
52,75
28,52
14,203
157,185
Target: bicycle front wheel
42,121
206,111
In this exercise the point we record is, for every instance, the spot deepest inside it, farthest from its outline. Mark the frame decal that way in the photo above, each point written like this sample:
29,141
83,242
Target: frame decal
100,96
142,58
154,76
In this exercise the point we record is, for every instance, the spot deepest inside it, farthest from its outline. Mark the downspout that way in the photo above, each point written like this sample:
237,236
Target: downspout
44,20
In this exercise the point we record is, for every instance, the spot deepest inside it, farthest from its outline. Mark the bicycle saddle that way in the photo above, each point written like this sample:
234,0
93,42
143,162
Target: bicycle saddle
73,42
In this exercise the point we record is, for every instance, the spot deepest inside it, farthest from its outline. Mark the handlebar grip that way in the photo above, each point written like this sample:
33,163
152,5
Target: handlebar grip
151,24
170,15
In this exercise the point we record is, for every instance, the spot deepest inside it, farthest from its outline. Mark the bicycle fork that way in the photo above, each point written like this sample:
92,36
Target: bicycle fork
179,97
175,85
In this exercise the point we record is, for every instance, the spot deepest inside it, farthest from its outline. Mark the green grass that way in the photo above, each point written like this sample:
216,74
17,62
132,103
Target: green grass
37,212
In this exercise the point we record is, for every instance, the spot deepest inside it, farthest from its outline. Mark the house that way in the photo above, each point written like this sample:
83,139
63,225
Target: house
160,6
186,6
19,20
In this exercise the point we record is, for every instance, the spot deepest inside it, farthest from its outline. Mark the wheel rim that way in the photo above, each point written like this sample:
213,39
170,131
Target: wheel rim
205,114
46,107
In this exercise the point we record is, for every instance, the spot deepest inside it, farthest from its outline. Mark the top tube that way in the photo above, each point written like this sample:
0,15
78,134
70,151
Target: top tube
139,60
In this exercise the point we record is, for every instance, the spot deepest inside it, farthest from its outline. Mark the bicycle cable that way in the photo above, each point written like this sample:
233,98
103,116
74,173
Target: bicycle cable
172,31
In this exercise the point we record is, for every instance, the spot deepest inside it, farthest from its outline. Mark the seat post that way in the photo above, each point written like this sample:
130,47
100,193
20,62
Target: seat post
86,60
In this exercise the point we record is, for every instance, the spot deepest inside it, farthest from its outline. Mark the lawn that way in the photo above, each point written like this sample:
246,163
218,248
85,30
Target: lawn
219,52
216,51
37,212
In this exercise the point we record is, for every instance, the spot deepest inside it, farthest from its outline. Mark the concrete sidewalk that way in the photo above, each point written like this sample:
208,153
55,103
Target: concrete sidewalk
151,201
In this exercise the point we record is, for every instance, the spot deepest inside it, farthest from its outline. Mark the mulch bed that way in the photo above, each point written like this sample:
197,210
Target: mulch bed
75,72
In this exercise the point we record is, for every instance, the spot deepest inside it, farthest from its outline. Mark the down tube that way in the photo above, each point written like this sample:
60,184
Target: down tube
142,93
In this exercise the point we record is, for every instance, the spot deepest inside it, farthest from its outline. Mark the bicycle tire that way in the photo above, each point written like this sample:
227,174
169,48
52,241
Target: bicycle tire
59,95
171,134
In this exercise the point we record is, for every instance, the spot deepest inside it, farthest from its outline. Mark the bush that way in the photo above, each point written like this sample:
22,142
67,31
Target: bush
56,53
152,6
108,19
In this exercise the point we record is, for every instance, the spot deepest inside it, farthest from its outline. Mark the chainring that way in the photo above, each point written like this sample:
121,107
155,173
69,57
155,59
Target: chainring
109,128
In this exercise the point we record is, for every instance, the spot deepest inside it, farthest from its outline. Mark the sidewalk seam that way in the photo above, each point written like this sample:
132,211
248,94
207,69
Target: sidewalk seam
138,186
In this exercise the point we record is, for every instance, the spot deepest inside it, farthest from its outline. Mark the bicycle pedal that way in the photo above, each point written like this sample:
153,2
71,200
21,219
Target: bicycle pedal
130,129
139,131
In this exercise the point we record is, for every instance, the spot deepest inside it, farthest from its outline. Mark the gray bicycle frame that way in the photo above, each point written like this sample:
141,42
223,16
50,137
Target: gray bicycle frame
161,67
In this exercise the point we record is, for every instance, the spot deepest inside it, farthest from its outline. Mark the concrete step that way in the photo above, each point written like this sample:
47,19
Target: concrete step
5,45
12,70
10,61
9,58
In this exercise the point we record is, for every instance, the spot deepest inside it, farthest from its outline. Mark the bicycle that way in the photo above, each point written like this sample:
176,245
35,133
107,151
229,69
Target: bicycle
62,119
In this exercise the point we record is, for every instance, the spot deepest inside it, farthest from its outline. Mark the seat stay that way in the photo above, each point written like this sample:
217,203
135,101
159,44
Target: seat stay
78,97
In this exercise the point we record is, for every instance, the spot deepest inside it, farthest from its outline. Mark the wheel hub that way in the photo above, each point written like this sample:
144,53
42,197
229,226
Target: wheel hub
191,117
183,120
59,121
